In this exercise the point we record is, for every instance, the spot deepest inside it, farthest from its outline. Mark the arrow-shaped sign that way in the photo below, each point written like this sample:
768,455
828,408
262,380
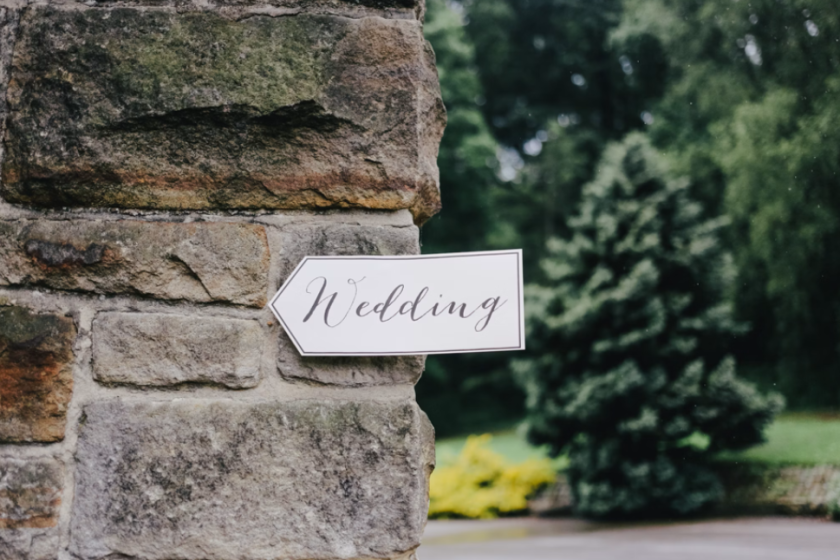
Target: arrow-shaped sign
382,306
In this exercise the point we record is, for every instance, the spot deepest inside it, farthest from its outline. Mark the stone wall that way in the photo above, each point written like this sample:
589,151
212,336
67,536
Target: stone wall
165,165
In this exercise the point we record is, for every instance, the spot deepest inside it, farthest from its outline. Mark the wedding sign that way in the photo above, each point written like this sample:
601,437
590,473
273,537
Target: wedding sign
385,306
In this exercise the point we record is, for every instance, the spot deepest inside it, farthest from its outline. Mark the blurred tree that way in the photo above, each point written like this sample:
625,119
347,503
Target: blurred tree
462,393
631,373
555,92
541,77
748,114
544,59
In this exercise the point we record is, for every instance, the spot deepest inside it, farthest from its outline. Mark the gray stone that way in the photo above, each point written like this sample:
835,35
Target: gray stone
36,375
9,19
322,240
345,239
350,371
30,495
160,350
165,110
29,544
199,262
224,480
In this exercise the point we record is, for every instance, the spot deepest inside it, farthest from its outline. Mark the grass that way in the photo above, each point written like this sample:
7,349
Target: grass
802,439
509,444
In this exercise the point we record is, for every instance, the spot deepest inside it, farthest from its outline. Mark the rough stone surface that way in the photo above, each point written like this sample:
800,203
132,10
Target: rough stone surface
8,28
155,109
36,375
199,262
320,240
414,9
161,350
29,544
30,495
207,480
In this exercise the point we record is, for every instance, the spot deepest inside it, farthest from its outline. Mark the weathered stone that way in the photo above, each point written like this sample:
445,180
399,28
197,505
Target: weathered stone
200,262
155,109
413,9
36,375
30,495
323,240
208,480
160,350
29,544
8,28
345,239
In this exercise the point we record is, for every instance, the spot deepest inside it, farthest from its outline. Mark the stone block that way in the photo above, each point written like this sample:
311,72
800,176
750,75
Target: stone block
164,110
36,375
160,350
329,240
198,262
413,9
8,29
210,479
30,495
345,239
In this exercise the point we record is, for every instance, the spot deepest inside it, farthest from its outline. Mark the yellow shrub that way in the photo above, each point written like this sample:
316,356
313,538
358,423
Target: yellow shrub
481,484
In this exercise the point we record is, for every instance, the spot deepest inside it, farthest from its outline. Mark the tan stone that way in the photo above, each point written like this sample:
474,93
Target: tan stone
156,350
404,9
165,110
36,375
200,262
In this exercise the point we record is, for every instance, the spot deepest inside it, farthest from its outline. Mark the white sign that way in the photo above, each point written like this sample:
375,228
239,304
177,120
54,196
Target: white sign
385,306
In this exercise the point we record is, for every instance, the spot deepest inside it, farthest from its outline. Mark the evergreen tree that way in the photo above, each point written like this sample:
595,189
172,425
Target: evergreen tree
631,374
749,113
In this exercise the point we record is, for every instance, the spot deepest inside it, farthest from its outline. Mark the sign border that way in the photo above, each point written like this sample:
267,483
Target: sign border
302,263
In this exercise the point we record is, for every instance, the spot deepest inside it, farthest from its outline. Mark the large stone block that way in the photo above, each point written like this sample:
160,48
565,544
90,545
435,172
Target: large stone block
30,496
225,480
139,108
323,240
160,350
199,262
414,9
36,375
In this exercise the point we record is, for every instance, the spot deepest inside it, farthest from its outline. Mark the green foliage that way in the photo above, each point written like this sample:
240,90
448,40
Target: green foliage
555,92
543,58
467,158
749,113
797,439
631,373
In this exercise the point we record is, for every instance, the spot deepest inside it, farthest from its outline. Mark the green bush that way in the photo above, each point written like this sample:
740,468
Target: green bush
631,373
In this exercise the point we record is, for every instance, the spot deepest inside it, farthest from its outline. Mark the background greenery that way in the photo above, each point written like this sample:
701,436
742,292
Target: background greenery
793,439
739,98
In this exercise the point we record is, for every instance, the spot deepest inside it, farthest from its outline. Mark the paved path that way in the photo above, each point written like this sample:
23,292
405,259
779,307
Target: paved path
569,539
